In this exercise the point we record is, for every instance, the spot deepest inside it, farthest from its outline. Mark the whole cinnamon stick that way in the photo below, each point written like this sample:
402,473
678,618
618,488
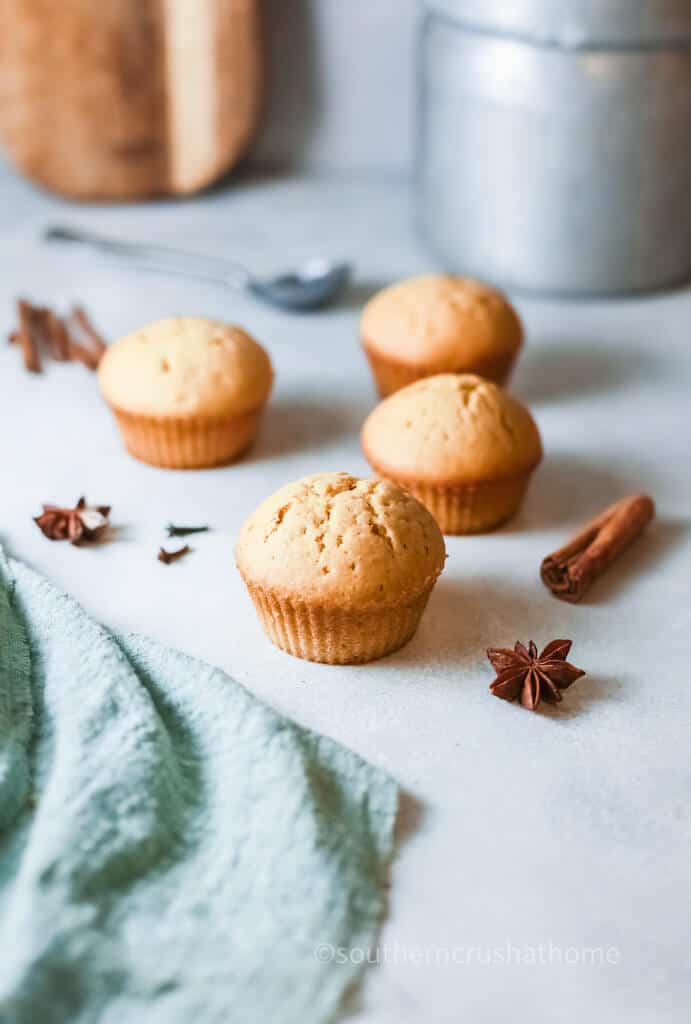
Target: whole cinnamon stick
56,335
571,571
87,356
89,331
48,332
27,337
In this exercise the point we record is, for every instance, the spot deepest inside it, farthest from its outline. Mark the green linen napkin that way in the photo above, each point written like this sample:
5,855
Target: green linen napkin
171,849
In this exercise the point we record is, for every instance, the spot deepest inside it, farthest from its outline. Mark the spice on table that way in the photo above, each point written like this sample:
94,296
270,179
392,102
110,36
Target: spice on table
79,354
184,531
81,523
525,675
41,330
80,318
172,556
56,336
28,336
570,572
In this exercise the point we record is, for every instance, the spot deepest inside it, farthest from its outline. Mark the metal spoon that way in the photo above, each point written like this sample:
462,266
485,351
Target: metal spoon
313,286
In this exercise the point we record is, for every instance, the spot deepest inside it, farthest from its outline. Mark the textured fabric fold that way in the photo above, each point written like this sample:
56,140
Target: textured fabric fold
187,852
16,704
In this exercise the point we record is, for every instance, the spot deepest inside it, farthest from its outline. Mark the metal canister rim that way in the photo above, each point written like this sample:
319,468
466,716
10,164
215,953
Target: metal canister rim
576,24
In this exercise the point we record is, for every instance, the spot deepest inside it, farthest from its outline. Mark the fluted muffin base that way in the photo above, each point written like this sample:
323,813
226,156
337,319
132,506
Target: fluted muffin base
468,508
200,442
335,636
390,375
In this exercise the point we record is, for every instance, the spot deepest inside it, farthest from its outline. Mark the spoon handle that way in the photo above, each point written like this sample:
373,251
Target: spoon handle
158,257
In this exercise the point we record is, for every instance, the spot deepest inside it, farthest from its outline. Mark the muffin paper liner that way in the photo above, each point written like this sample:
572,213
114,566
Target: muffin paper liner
187,442
331,635
391,375
469,508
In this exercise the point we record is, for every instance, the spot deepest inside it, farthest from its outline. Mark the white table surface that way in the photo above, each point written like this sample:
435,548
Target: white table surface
518,830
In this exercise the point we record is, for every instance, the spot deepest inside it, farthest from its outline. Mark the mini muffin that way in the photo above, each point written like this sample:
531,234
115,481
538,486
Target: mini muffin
340,569
186,392
439,324
460,444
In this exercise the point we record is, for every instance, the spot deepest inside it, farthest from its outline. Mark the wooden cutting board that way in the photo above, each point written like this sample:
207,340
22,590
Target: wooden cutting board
119,99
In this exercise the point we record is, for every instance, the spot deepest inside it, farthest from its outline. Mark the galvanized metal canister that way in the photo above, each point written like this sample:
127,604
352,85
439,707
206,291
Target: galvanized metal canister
554,142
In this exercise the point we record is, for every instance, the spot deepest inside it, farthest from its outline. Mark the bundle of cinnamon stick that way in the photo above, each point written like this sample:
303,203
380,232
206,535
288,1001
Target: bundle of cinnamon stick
41,332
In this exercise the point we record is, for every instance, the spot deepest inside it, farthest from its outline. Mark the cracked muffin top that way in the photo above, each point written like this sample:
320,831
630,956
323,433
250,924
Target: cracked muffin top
338,540
186,365
451,428
440,320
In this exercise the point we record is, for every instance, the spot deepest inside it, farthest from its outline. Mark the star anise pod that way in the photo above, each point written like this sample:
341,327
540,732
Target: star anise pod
83,522
525,675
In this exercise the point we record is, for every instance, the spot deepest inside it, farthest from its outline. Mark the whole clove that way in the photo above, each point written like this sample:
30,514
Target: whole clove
167,557
184,531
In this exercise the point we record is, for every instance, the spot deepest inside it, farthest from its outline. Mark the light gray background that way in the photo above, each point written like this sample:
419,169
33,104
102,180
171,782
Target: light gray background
569,827
340,84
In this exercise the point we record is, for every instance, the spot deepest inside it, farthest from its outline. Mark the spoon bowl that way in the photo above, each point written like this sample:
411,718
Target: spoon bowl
314,286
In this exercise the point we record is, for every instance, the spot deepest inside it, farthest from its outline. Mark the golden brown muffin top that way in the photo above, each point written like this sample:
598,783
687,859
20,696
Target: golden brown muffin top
451,428
440,321
335,540
186,366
